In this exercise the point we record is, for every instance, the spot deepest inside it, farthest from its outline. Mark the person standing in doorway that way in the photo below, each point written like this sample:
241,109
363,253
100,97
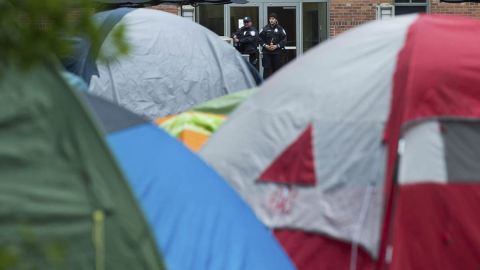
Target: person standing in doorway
246,40
273,39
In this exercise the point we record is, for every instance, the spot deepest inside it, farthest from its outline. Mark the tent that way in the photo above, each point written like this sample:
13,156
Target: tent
173,64
64,204
198,220
195,126
363,152
124,2
179,2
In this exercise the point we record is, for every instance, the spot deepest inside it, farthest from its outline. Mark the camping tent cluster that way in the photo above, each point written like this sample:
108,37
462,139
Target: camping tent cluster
367,144
199,222
66,204
378,170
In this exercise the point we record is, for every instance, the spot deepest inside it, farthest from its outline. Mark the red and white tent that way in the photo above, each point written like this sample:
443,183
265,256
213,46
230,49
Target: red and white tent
365,152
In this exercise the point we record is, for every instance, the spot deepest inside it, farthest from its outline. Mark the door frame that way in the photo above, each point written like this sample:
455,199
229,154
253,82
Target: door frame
227,13
298,21
261,4
263,18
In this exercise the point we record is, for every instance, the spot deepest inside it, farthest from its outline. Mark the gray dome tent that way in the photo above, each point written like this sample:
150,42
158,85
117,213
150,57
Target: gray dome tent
180,2
173,64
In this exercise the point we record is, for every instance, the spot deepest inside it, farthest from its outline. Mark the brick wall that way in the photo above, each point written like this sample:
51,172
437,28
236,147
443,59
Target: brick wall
346,14
464,9
174,9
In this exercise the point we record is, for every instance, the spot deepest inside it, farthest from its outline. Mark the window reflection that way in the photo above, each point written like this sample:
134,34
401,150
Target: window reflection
314,24
211,16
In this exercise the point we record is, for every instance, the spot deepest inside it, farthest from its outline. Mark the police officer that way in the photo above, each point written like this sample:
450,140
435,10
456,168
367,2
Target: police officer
273,39
246,40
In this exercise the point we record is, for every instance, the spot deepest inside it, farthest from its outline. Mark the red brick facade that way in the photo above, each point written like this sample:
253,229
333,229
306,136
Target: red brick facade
346,14
464,9
174,9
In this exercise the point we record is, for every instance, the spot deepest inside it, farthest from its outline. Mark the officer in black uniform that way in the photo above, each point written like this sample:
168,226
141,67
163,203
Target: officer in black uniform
246,40
273,39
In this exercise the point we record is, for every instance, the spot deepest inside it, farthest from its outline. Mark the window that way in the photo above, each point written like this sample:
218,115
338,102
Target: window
211,16
188,12
410,6
385,11
238,13
314,24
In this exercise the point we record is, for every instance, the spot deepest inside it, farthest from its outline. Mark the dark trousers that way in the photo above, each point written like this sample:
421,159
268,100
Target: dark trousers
271,63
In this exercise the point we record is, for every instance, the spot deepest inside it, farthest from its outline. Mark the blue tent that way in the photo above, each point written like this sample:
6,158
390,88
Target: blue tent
198,220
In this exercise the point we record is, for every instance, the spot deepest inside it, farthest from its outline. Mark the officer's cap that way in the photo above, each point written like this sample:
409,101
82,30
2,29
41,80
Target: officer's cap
247,19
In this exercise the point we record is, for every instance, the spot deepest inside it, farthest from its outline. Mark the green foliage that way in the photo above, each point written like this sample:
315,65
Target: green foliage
32,30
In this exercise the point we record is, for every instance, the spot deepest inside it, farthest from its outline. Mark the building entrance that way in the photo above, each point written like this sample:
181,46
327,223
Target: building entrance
287,16
305,21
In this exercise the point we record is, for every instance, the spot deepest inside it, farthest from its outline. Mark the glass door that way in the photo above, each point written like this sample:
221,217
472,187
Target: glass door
288,14
315,24
236,13
211,16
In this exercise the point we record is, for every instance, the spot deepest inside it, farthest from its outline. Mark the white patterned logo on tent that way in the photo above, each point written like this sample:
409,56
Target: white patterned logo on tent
281,201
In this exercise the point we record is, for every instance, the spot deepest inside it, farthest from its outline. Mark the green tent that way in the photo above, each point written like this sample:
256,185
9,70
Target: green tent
195,126
225,104
64,203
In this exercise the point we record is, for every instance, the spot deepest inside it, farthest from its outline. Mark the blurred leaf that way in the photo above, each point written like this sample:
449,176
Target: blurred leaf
33,30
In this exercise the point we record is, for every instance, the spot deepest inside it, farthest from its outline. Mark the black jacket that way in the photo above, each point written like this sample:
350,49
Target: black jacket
275,35
248,40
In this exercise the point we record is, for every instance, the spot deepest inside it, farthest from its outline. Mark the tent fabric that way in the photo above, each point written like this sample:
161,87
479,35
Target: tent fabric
295,165
183,2
446,149
64,202
75,81
442,222
195,126
113,118
123,1
224,105
198,220
266,124
82,62
400,73
436,207
174,64
423,144
303,248
190,2
425,92
447,93
461,150
192,128
203,123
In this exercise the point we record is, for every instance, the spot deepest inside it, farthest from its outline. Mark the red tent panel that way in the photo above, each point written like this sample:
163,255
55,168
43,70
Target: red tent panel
295,165
312,251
